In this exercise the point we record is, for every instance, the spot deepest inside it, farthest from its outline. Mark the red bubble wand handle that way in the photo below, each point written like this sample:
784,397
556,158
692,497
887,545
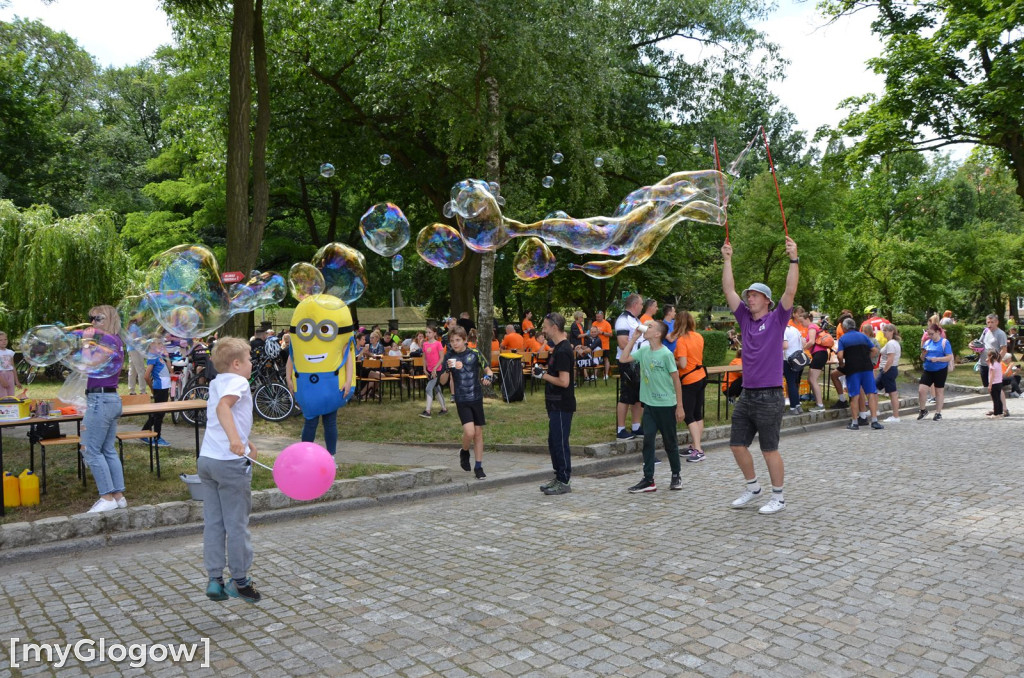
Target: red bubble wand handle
776,178
721,187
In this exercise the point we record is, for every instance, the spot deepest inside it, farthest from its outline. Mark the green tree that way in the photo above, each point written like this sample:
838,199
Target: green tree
953,74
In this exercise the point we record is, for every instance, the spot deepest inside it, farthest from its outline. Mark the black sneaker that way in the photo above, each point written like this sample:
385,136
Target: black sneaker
464,460
676,484
839,405
248,593
558,488
624,434
644,485
863,421
479,471
922,414
877,426
852,426
937,417
425,414
550,483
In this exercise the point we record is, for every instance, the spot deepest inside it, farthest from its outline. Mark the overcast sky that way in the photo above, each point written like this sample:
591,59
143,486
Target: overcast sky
826,63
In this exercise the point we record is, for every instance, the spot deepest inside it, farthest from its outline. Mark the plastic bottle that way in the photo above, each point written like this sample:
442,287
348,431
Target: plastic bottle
29,488
12,490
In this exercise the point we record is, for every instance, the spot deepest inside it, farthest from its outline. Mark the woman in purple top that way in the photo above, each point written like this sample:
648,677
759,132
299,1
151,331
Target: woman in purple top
99,427
759,407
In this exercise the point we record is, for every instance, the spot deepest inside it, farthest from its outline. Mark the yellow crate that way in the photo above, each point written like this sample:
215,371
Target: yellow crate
12,409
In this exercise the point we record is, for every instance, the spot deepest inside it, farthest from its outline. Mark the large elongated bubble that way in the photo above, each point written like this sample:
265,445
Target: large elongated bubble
47,344
635,230
343,269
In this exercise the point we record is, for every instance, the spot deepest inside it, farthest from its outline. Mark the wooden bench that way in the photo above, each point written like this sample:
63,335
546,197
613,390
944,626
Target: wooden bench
148,436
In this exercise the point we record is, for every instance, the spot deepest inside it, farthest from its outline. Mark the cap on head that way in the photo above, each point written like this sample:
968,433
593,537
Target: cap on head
759,287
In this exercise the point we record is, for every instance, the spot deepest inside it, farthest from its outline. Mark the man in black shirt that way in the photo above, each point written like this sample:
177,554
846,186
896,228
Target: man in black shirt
465,322
560,398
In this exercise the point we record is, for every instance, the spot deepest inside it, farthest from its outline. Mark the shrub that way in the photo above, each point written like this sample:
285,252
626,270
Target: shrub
905,319
715,346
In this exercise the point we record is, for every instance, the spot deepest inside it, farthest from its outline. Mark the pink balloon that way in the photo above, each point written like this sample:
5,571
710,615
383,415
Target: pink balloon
304,471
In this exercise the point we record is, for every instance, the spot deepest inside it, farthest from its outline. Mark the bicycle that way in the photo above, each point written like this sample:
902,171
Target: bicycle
27,372
271,398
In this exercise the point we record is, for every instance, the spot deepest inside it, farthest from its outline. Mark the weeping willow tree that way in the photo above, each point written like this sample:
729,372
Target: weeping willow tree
54,269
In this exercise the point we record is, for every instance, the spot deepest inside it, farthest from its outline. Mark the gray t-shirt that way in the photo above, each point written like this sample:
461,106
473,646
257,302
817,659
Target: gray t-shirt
994,340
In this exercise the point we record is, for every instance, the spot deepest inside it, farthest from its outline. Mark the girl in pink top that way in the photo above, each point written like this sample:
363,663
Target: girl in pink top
433,357
995,384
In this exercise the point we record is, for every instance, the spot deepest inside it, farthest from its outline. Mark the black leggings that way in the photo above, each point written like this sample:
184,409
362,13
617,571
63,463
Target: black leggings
155,422
997,399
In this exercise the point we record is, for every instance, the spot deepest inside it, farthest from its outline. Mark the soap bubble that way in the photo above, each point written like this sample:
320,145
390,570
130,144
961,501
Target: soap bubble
534,260
494,187
557,214
501,256
385,159
397,263
563,181
187,276
440,246
472,198
661,160
343,269
305,280
598,161
183,321
140,327
500,200
447,210
557,158
385,229
96,357
47,344
547,182
327,170
269,288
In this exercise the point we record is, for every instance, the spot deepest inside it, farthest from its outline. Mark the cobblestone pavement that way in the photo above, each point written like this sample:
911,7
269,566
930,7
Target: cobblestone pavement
899,553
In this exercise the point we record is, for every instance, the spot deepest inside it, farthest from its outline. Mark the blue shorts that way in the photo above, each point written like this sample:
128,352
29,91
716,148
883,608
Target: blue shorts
886,381
860,380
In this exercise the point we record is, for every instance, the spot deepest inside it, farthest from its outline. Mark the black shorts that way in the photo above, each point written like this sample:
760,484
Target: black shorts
629,383
818,360
693,401
758,411
471,412
936,379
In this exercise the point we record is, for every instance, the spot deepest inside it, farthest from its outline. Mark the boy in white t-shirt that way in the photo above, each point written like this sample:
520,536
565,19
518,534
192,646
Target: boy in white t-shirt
226,473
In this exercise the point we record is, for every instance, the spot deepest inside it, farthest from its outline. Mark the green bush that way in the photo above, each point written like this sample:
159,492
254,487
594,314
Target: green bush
959,336
905,319
715,346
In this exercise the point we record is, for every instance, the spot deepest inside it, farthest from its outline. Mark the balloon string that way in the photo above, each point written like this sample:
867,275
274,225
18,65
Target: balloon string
776,178
269,468
721,187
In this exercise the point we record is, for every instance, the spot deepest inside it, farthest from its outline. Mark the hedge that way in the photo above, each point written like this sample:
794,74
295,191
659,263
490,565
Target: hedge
716,344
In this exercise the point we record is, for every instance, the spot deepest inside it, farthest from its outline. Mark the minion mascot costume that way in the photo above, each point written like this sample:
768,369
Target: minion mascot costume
323,336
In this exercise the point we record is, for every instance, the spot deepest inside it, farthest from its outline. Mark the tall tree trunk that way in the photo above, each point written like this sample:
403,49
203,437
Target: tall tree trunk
239,151
485,318
462,281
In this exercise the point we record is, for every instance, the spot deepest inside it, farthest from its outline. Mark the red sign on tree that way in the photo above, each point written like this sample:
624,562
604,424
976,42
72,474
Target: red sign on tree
231,277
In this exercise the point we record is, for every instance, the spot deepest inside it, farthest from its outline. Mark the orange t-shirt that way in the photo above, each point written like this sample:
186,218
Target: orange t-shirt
801,329
531,345
603,326
527,325
691,345
645,318
732,376
512,342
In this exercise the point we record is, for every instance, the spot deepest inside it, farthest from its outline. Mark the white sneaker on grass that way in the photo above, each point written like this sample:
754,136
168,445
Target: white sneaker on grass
774,505
745,499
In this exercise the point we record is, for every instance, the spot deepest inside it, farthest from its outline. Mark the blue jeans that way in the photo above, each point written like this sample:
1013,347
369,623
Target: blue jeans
330,430
98,436
559,425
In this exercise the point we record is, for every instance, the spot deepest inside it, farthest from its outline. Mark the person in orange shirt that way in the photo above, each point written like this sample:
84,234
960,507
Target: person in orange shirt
650,308
530,343
732,385
527,323
472,338
512,341
604,330
689,355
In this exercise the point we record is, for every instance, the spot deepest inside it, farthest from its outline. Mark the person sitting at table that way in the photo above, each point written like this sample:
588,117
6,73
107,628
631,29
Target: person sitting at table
99,427
530,343
472,338
375,345
513,341
416,345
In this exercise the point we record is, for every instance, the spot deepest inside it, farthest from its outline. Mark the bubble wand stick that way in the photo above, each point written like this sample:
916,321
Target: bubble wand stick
721,187
269,468
776,178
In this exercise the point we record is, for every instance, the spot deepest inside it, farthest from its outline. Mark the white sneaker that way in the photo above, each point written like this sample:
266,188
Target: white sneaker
818,408
892,420
102,505
122,502
773,506
745,499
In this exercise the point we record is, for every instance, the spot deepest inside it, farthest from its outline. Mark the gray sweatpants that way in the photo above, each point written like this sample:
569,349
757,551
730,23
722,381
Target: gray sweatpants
227,499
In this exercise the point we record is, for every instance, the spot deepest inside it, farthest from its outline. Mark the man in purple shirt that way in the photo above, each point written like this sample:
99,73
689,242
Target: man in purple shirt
759,408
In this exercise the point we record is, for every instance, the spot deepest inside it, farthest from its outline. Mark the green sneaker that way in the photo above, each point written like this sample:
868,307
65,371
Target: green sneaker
548,484
215,591
558,488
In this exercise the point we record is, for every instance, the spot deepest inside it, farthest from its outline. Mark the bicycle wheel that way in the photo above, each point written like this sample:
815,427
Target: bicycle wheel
273,401
195,393
26,372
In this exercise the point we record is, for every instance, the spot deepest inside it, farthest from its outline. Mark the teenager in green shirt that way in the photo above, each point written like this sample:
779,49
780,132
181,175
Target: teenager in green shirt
662,399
